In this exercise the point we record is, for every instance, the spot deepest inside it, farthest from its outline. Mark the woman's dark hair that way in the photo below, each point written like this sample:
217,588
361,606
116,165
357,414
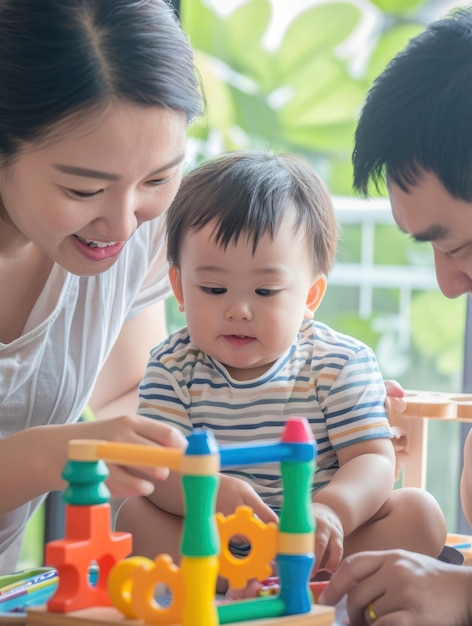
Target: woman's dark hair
62,57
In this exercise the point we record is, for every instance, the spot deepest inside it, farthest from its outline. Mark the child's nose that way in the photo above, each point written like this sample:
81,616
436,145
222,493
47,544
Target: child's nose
238,311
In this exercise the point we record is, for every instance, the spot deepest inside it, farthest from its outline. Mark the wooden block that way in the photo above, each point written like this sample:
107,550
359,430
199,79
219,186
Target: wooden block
429,404
318,616
464,407
438,405
12,619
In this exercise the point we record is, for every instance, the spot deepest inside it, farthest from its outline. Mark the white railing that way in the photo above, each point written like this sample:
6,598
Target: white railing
366,275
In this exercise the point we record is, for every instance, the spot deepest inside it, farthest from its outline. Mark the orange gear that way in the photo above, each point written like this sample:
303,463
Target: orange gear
263,540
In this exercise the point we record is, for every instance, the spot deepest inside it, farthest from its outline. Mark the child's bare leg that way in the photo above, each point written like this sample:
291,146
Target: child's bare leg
410,519
154,531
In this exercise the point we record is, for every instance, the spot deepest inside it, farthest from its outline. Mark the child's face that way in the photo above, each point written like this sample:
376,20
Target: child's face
244,310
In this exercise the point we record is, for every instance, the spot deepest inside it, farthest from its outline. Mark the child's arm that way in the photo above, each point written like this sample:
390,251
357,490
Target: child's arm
356,492
466,479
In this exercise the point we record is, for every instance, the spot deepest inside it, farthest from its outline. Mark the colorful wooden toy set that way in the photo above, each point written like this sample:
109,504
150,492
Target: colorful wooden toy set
125,591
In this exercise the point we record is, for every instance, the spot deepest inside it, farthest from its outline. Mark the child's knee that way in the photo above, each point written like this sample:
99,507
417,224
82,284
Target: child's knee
420,514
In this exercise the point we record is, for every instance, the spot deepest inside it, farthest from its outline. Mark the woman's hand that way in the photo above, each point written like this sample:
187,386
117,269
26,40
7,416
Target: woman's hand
395,401
395,405
128,480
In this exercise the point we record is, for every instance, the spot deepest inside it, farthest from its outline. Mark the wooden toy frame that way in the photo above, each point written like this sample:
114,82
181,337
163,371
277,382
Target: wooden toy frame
128,584
423,406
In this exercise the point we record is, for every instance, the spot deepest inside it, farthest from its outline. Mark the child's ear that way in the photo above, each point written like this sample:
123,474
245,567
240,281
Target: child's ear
176,282
315,296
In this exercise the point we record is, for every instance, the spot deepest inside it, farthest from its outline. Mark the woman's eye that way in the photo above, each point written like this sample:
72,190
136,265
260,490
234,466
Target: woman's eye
157,182
214,291
267,292
84,194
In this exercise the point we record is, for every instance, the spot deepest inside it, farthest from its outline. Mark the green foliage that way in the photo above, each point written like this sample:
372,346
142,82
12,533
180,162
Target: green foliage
302,96
390,42
398,7
175,319
438,330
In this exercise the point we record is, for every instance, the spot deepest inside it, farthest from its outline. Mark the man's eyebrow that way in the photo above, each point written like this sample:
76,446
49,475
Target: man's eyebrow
89,173
435,232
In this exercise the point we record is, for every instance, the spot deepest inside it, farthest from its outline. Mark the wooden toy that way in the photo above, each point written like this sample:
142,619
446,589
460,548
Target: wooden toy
412,424
125,590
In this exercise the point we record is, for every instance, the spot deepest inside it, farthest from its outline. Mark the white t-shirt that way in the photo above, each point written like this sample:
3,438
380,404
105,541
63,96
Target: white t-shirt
47,375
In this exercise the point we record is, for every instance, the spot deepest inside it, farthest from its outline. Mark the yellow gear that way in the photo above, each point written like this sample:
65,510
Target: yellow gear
263,540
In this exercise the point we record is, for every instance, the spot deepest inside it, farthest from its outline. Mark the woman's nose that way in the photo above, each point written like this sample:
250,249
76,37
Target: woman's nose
119,219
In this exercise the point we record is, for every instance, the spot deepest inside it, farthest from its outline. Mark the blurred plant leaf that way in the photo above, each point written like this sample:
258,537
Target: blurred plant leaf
398,7
388,45
314,31
438,329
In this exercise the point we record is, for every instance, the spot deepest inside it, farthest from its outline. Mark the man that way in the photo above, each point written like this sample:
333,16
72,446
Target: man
415,133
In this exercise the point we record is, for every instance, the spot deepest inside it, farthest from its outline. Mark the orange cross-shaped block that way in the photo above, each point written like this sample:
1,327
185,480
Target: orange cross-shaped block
88,539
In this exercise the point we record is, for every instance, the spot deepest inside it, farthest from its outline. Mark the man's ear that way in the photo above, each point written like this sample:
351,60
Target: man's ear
315,296
176,282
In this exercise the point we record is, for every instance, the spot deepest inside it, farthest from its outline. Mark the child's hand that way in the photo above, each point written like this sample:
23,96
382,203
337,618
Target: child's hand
329,538
251,590
234,492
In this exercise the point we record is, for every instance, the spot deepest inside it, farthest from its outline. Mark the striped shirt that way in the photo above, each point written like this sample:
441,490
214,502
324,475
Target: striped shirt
329,378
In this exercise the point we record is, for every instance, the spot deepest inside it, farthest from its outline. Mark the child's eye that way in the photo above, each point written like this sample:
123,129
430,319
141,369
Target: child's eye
266,293
214,291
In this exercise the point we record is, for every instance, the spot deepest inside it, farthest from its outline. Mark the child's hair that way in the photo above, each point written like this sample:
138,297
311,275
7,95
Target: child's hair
59,58
250,194
418,114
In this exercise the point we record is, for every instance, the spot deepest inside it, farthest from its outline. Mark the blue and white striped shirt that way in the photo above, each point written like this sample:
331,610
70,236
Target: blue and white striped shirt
329,378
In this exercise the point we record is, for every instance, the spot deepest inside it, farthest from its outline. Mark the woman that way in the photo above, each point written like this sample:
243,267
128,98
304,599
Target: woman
96,99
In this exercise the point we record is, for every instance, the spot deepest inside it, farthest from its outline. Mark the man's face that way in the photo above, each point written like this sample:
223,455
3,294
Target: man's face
428,212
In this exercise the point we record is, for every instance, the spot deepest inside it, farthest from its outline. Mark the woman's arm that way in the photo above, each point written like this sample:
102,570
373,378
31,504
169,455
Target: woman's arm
116,390
31,461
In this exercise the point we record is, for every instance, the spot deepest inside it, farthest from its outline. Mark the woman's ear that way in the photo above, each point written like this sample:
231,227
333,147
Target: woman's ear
176,282
315,296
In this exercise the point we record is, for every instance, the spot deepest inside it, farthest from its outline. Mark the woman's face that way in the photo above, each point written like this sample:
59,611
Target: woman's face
80,197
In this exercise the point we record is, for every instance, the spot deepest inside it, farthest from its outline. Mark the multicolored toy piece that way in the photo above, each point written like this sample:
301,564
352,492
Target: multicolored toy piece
129,584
